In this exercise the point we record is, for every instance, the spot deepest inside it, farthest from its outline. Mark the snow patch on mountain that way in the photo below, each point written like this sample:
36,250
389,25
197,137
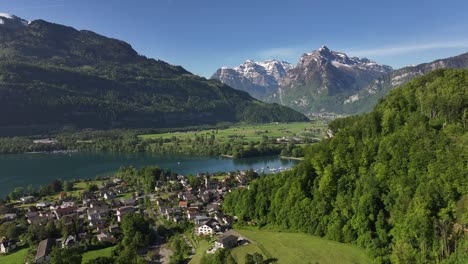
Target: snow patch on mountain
12,20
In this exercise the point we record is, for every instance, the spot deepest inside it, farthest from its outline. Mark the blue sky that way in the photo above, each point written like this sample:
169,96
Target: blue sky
203,35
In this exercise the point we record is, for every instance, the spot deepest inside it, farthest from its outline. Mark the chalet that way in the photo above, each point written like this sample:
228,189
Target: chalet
43,250
7,245
209,227
61,212
123,211
201,219
229,241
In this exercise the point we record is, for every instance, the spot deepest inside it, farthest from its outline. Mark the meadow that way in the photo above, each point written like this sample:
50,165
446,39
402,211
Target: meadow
303,248
290,248
105,252
251,132
16,257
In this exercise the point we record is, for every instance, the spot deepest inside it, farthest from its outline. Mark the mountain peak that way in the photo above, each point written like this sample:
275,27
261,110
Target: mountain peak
12,21
324,48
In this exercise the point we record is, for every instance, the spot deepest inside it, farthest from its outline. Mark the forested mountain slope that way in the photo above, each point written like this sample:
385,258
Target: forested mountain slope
53,76
393,181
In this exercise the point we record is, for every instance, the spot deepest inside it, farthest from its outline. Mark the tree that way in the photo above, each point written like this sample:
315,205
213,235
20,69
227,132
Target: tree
101,260
65,256
136,230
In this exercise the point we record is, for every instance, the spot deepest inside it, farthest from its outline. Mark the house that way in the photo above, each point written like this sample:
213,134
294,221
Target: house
183,204
114,229
98,204
27,199
205,197
96,222
109,196
105,237
201,219
229,241
43,250
7,245
128,202
189,197
61,212
38,220
123,211
208,228
212,208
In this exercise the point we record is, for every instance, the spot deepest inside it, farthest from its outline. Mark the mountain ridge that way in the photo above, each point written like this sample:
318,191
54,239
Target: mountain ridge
330,81
259,79
54,76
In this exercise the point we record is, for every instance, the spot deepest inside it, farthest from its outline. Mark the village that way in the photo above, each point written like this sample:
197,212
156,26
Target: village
95,216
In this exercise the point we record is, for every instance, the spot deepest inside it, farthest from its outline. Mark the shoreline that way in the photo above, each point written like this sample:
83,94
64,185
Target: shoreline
291,158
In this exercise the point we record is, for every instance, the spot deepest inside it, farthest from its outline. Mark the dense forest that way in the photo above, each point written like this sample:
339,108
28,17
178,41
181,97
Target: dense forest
393,181
54,77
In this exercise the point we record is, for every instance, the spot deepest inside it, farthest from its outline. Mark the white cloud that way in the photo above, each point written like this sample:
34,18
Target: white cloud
404,49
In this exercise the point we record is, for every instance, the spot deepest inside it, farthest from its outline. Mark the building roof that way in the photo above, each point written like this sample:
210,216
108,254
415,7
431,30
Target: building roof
211,223
44,247
225,239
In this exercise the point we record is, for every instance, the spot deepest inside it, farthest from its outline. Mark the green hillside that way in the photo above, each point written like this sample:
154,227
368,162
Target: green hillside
391,181
300,248
54,77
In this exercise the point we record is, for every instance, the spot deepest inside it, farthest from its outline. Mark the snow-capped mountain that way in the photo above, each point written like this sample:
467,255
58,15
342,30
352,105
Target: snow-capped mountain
320,81
339,59
12,21
323,78
260,79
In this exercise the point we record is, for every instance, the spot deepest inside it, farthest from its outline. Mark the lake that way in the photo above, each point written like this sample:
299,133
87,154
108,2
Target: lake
42,168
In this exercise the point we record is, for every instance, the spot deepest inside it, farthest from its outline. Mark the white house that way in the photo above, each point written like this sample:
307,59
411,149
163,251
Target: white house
208,228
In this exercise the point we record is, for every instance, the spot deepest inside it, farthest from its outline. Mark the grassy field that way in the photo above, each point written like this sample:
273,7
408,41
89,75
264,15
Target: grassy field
251,132
239,253
16,257
105,252
301,248
201,248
